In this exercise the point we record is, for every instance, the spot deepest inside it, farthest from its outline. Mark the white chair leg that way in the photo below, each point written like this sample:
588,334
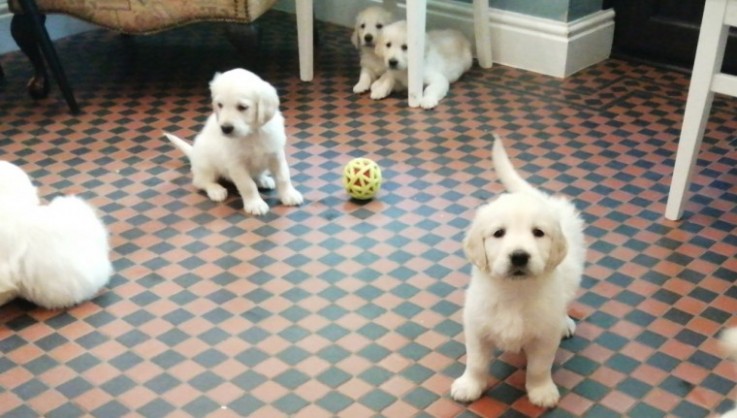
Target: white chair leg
482,32
416,11
708,62
305,22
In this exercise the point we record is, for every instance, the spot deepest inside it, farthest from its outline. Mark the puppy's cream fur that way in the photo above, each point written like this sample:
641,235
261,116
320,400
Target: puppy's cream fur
528,253
728,342
242,141
447,57
54,255
368,26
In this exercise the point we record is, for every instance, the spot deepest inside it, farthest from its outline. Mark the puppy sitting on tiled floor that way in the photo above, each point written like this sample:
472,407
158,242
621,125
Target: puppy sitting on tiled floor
368,26
243,141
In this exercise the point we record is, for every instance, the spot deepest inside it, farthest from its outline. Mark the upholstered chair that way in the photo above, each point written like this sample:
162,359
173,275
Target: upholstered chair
124,16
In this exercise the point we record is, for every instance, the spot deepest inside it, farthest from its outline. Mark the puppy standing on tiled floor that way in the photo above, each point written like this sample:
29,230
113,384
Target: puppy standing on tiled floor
242,141
447,57
528,254
368,26
54,255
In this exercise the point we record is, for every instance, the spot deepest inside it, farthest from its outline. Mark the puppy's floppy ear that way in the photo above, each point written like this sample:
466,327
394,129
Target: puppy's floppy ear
212,92
354,39
214,78
266,105
558,248
474,245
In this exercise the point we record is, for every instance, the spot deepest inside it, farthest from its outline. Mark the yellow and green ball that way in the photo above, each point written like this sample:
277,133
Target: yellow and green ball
362,178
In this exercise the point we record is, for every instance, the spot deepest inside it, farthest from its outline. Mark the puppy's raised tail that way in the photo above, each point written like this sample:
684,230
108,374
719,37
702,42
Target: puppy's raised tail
505,170
728,342
183,145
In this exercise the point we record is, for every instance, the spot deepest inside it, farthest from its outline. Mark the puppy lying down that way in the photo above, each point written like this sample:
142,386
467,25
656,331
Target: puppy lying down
447,56
242,141
528,252
53,255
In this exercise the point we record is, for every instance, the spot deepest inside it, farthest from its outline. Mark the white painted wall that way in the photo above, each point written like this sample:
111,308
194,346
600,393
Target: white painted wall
544,46
59,26
539,45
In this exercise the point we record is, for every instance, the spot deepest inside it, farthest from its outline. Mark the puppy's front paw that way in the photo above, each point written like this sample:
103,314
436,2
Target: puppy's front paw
467,389
428,102
379,90
216,192
265,181
362,86
570,327
255,206
291,197
545,395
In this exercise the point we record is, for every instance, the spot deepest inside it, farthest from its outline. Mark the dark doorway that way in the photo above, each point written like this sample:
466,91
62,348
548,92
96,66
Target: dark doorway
662,32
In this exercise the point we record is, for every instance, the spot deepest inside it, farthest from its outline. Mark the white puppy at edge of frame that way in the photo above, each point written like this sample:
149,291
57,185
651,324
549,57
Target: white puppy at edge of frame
528,254
56,255
728,343
243,141
368,26
447,56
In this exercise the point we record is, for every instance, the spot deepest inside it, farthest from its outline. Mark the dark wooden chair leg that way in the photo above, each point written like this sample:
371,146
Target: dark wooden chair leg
36,21
20,28
246,39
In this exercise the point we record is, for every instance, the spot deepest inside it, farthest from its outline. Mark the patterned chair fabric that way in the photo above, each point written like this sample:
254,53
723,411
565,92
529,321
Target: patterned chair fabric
150,16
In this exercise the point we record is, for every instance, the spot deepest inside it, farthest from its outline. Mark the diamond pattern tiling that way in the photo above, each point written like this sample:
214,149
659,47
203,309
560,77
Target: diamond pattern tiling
340,308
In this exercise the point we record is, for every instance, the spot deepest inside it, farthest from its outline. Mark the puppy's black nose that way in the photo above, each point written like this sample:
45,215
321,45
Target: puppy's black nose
227,129
519,258
368,38
393,63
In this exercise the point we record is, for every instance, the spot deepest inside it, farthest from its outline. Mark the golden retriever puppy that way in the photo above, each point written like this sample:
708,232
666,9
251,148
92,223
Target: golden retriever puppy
527,249
368,27
243,141
447,57
728,342
54,255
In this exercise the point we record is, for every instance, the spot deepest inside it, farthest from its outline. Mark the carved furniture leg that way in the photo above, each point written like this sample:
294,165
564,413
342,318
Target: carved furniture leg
20,28
35,20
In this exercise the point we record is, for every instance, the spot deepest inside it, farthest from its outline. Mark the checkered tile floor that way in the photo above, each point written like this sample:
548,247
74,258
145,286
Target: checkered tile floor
343,309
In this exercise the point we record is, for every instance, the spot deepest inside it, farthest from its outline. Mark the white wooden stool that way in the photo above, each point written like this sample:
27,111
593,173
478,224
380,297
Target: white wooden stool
305,26
706,79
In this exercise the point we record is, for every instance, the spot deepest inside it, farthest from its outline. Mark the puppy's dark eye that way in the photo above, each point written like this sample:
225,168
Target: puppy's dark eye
538,233
388,44
499,233
404,47
379,26
363,26
242,108
220,105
